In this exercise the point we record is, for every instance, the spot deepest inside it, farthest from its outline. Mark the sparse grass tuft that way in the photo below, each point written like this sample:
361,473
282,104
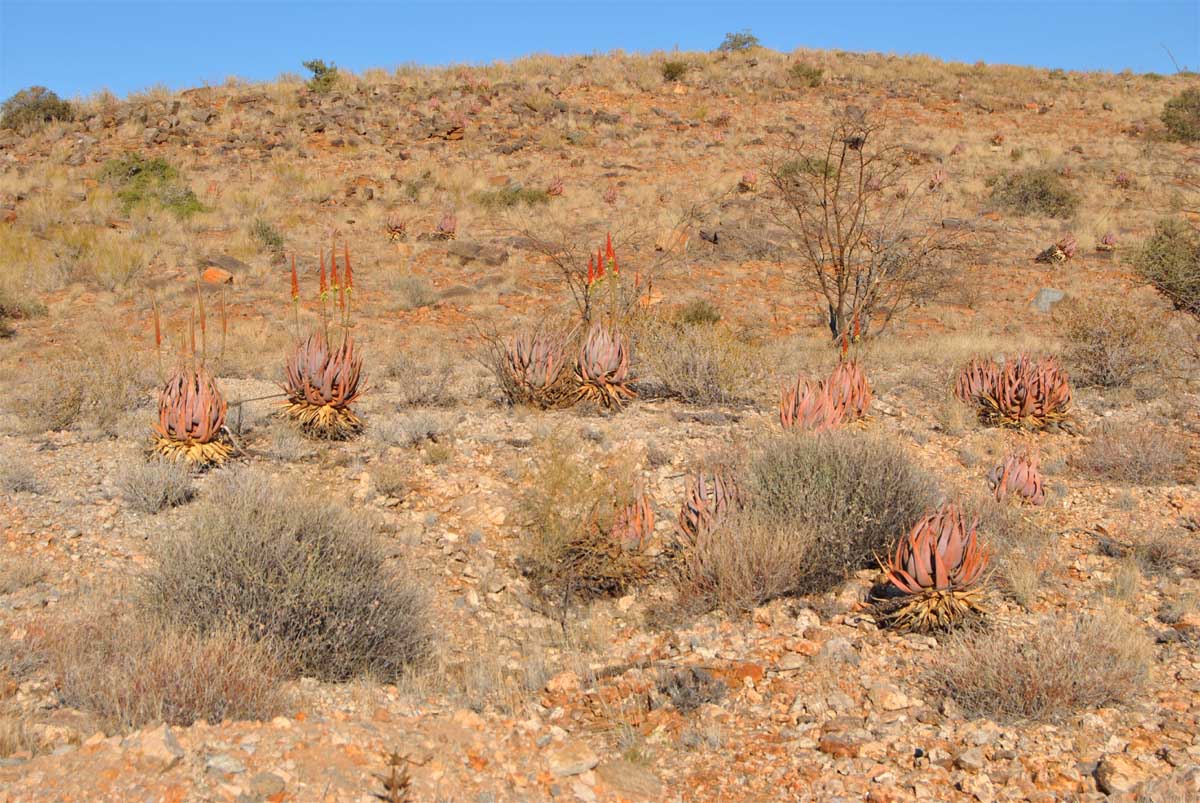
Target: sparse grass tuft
1058,666
297,572
133,671
1134,453
414,291
1035,191
16,476
509,197
701,364
157,485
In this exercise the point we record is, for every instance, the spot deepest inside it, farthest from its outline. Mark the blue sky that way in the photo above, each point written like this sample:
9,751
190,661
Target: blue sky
77,48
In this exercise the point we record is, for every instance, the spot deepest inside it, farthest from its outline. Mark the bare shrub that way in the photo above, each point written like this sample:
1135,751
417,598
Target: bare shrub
17,573
869,240
16,737
1170,261
1035,191
93,386
157,485
414,291
1057,666
426,380
16,476
1135,453
132,671
819,508
704,363
296,571
392,479
1108,343
567,509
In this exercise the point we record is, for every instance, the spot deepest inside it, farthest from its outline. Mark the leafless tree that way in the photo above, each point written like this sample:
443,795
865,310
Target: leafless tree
864,229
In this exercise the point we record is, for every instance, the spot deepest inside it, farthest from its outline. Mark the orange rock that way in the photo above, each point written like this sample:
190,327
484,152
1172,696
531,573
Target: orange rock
217,276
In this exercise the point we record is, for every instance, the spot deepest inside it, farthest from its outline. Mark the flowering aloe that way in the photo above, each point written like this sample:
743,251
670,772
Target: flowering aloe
191,417
321,385
602,369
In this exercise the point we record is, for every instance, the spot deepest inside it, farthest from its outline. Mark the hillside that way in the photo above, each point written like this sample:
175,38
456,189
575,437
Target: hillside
450,617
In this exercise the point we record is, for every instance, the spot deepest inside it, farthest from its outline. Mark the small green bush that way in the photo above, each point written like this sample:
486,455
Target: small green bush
139,181
324,76
806,74
508,197
33,107
266,235
1170,262
808,166
698,312
1181,115
674,70
1035,191
736,42
294,571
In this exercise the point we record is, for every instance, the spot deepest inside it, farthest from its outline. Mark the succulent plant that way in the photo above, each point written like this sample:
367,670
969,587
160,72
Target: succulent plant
979,377
936,180
447,227
1018,474
602,370
1108,242
711,496
535,370
1028,393
848,390
191,416
397,227
633,523
807,406
321,385
1068,245
1123,180
936,570
555,188
748,182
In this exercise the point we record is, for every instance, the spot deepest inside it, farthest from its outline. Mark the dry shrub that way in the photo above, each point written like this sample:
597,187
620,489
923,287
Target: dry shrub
1059,665
16,476
1035,191
819,508
426,378
157,485
1108,343
132,671
18,572
1170,261
93,386
16,737
701,363
567,509
1020,547
296,571
1161,552
1134,453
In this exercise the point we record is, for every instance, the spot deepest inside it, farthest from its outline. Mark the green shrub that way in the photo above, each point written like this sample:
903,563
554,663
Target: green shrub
674,70
1170,262
736,42
1181,115
324,76
295,571
818,509
1035,191
266,235
805,74
508,197
698,312
33,107
140,181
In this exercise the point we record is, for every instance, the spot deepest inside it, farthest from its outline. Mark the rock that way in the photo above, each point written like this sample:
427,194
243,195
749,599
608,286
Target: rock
840,649
265,784
979,786
837,746
476,252
887,697
225,763
1046,298
971,759
632,781
217,276
1118,773
571,758
1181,785
160,747
225,262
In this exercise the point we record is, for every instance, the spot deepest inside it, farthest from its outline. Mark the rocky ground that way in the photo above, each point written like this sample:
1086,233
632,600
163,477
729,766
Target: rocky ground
802,699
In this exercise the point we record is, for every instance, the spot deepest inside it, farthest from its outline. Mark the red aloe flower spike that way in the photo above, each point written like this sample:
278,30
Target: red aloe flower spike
856,330
295,281
591,270
608,249
600,264
616,268
324,287
845,343
349,274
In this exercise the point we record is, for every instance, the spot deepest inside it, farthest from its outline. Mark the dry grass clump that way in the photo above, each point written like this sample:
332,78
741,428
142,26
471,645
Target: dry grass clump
818,509
1021,548
412,291
697,359
1055,667
157,485
295,571
1035,191
16,476
1135,453
132,670
94,387
567,507
426,380
1170,261
17,573
1108,343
